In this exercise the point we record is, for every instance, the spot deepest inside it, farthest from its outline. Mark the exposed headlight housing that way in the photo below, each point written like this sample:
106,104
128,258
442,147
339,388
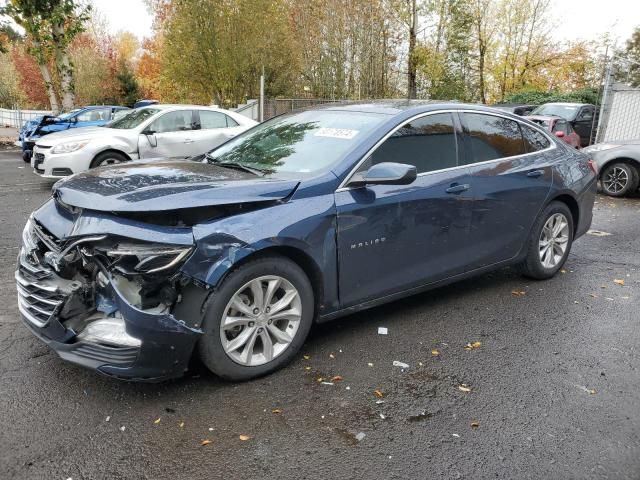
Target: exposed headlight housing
110,331
599,147
150,258
69,147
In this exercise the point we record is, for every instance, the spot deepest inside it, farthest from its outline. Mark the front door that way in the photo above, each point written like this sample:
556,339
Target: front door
173,135
395,237
511,176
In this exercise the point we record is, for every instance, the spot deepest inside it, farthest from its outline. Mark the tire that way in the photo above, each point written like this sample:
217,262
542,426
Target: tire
108,158
215,348
533,265
619,179
26,157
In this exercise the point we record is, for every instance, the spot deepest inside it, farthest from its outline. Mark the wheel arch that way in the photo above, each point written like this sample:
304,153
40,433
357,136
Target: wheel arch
110,149
297,256
573,206
632,162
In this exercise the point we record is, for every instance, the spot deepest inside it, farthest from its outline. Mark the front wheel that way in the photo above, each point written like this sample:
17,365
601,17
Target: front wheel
108,158
549,242
257,320
619,179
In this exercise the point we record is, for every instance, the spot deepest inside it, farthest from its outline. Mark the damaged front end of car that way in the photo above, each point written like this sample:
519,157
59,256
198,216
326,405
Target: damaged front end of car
107,301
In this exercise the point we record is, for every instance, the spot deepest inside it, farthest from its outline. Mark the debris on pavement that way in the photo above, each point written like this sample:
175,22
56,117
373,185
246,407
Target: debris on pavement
598,233
108,418
157,420
370,364
244,438
464,388
336,378
276,411
435,352
619,281
518,293
455,435
475,424
472,345
396,363
383,331
123,428
181,424
205,442
360,436
378,393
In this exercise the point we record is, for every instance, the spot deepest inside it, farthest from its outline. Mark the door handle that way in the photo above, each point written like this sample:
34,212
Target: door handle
535,173
457,188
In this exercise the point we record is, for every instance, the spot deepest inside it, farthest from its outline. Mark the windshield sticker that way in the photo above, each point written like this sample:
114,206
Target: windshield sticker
343,133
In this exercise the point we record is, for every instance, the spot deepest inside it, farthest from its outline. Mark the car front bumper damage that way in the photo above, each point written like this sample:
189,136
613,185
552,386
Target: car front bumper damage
100,324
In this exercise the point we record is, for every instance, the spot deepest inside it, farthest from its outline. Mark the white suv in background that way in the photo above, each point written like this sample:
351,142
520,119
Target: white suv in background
157,131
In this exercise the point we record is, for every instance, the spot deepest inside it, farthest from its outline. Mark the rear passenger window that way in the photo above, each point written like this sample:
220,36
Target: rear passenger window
427,142
492,137
533,139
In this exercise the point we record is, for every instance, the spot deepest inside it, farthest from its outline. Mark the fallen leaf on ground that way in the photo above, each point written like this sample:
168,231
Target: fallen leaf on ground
472,345
276,411
337,378
181,424
619,281
396,363
205,442
156,421
475,424
307,368
378,393
320,379
244,438
435,352
306,357
518,293
464,388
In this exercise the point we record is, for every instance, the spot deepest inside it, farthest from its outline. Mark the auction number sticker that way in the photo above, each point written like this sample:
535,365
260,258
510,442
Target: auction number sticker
344,133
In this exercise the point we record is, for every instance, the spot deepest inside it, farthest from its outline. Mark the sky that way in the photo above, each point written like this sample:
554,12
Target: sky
576,19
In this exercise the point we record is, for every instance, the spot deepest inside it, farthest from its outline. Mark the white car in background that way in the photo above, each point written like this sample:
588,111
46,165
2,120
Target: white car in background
157,131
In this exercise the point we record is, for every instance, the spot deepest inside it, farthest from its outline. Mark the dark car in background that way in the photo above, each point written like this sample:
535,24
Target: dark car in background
92,116
559,127
582,117
515,108
618,164
307,217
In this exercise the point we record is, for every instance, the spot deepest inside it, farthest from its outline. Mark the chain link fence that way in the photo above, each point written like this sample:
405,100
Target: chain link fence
15,118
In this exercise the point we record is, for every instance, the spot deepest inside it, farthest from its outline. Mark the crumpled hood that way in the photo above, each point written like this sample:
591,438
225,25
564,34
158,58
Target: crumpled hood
167,185
77,135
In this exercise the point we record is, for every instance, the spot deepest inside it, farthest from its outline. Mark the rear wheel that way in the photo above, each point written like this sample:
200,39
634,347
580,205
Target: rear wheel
549,242
108,158
257,320
619,179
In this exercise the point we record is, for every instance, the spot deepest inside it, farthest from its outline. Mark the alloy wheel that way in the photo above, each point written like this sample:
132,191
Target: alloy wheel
261,320
554,239
615,180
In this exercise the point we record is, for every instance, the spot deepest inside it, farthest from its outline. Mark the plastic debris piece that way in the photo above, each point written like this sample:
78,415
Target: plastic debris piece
370,364
475,424
181,424
306,357
123,428
383,331
435,352
619,281
382,416
396,363
455,435
379,402
331,355
360,436
464,388
326,383
276,411
107,419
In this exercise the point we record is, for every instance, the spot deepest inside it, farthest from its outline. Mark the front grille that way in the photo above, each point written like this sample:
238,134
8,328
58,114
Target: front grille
39,296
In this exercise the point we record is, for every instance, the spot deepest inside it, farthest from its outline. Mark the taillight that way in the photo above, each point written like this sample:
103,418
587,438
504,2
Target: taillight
593,166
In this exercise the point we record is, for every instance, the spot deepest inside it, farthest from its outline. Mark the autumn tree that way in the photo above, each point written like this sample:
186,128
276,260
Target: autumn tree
629,60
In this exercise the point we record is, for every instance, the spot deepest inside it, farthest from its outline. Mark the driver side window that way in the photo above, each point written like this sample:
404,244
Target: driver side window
428,143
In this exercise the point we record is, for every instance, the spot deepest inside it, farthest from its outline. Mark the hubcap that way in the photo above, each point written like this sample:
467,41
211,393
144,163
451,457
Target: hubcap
554,240
615,180
261,320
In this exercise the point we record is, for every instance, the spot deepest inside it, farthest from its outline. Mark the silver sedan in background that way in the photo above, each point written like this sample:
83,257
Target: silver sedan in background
158,131
618,165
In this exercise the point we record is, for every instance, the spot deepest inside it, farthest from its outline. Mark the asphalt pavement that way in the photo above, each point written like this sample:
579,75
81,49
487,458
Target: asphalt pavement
552,391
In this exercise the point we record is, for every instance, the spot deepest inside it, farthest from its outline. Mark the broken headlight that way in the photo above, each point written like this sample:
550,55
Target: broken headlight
150,258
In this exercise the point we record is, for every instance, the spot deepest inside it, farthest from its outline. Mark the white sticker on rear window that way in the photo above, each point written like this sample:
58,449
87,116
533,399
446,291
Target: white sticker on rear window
344,133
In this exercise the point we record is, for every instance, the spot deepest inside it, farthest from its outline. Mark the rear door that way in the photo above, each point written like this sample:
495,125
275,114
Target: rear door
394,237
511,177
212,129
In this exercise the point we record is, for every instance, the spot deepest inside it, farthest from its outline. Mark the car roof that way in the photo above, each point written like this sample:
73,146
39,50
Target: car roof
180,106
544,117
394,107
566,104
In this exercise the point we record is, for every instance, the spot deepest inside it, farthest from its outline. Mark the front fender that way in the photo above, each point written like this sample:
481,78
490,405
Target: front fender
306,225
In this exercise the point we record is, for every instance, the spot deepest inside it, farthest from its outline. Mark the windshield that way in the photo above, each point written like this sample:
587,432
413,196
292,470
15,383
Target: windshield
67,115
568,112
133,119
304,142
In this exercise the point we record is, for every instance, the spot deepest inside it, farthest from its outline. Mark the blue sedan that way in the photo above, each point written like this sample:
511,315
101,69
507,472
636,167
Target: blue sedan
92,116
234,255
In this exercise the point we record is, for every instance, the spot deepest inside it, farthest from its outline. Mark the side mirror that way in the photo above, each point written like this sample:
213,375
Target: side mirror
151,137
559,134
73,119
387,173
